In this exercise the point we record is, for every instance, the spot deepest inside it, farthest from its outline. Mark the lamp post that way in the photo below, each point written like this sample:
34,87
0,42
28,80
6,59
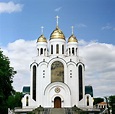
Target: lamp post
107,105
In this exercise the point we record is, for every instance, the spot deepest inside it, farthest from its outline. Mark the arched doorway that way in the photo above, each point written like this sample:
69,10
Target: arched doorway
57,102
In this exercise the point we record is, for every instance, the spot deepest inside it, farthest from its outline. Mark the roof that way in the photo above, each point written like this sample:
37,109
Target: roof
89,90
102,103
57,34
26,90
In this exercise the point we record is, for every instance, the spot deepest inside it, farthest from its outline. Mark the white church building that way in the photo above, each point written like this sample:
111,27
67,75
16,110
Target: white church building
57,74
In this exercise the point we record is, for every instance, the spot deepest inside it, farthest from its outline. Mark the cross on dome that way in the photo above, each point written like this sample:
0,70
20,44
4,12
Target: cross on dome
42,29
72,27
57,17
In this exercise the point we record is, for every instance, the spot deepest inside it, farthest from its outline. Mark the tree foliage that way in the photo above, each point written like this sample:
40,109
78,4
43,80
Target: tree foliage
6,79
98,100
14,100
112,103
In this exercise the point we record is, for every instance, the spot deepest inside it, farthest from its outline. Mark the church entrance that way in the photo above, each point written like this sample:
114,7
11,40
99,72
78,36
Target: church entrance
57,102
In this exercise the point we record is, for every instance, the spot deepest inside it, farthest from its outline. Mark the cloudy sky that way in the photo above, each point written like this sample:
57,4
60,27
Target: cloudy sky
94,27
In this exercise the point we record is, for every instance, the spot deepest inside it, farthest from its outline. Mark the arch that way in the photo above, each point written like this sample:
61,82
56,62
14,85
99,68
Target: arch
50,87
51,92
57,72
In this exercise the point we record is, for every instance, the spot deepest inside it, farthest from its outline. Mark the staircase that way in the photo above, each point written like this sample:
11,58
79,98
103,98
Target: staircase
57,111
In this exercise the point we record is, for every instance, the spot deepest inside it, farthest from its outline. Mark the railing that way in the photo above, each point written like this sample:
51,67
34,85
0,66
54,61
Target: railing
68,111
10,111
47,111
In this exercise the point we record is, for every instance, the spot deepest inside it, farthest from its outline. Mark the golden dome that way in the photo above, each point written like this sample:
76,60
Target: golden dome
41,39
72,38
57,34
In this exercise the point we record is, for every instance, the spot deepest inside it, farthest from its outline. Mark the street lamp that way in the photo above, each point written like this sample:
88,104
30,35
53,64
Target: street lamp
107,105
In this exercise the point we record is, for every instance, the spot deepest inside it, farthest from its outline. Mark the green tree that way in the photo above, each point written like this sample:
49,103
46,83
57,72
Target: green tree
6,79
14,100
112,103
98,100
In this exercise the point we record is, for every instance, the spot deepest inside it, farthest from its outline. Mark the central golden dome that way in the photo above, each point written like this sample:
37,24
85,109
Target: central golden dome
57,34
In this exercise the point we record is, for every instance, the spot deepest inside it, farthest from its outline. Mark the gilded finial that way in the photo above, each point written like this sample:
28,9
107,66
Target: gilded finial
57,17
72,27
42,29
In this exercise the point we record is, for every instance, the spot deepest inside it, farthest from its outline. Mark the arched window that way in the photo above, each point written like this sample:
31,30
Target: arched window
80,82
57,72
76,51
51,49
27,99
38,52
57,48
62,49
72,51
69,52
87,100
34,83
41,50
45,51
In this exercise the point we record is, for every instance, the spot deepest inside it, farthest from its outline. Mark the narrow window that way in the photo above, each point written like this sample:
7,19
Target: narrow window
41,50
87,100
27,101
38,52
45,51
51,49
69,51
34,82
62,49
80,82
72,51
57,48
76,51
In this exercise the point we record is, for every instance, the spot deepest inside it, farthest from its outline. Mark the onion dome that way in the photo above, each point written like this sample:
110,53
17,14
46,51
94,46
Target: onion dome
57,34
72,38
42,39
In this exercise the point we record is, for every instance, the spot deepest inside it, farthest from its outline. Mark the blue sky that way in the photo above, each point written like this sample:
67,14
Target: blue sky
92,19
94,27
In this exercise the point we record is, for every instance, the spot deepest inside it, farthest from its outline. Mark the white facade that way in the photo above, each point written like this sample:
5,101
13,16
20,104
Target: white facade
57,74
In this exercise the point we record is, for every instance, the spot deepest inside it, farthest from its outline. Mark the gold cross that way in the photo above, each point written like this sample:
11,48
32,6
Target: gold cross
57,17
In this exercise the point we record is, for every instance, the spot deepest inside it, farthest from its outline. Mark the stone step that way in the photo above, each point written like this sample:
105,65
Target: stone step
57,111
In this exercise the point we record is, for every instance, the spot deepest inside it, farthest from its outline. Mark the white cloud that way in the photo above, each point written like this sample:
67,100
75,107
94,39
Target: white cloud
99,59
108,27
100,67
81,25
58,9
10,7
20,54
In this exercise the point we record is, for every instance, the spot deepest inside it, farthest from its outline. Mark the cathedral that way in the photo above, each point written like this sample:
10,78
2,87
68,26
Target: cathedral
57,74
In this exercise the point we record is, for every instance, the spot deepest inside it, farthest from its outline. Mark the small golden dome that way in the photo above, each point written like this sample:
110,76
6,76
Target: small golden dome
41,39
57,34
72,38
